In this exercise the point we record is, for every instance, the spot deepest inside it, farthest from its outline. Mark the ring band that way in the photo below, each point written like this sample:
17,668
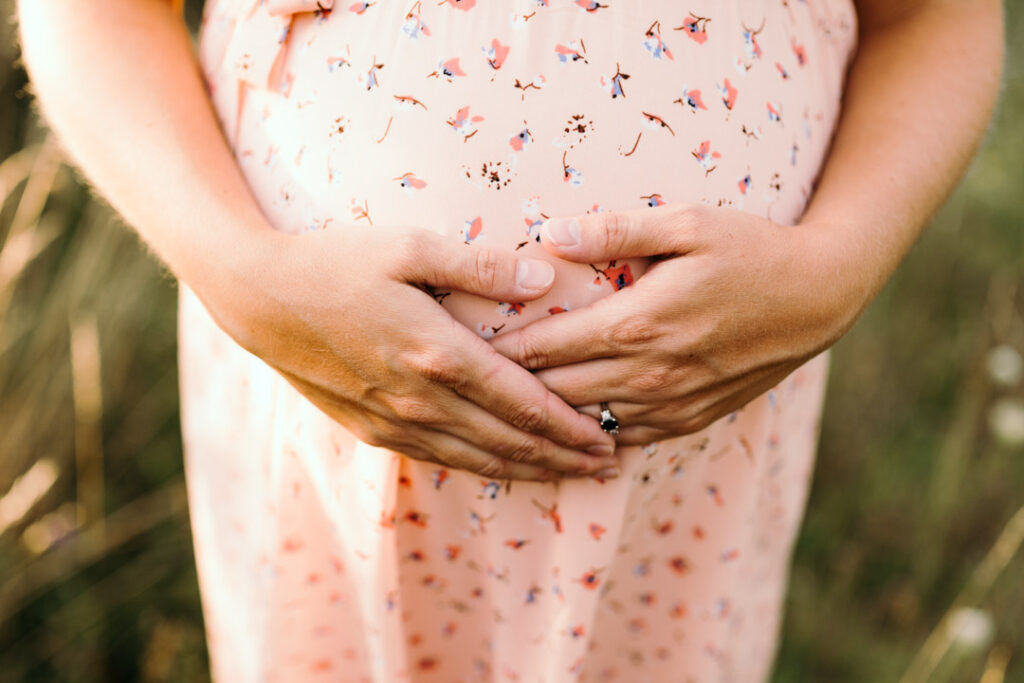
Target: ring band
609,422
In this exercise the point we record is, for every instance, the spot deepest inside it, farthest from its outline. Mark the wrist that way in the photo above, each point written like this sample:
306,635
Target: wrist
234,275
839,276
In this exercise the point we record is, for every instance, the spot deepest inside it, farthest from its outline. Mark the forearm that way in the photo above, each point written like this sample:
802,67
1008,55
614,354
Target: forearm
118,82
917,103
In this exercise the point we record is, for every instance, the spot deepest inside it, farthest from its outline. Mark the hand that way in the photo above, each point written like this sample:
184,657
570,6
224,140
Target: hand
731,304
341,314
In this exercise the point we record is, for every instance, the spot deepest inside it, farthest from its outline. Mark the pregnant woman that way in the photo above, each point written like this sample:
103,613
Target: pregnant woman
505,323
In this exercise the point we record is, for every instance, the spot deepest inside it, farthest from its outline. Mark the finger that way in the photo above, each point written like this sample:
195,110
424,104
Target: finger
452,451
514,395
604,379
434,445
611,326
496,274
633,430
499,438
606,235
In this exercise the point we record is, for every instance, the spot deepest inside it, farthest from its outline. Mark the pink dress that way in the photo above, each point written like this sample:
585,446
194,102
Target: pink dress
323,558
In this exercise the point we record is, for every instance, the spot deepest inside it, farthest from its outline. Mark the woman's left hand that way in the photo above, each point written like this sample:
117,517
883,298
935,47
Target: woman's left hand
731,304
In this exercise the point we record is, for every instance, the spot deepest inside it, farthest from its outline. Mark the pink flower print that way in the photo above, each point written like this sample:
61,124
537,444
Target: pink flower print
359,7
696,28
449,68
800,52
555,310
655,122
471,229
371,75
590,579
406,102
654,200
516,543
692,99
596,531
536,84
715,494
573,52
440,477
336,63
414,25
511,307
451,552
359,212
619,276
678,610
496,54
463,123
750,45
408,180
478,523
491,489
416,518
782,70
613,84
679,565
654,44
571,175
729,555
465,5
744,184
532,231
550,513
728,94
520,140
532,593
774,111
577,631
590,5
705,157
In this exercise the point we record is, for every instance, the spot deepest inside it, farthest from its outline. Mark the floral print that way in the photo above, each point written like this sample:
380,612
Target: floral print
323,558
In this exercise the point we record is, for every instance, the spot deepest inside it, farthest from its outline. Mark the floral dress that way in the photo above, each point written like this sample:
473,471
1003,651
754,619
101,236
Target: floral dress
323,558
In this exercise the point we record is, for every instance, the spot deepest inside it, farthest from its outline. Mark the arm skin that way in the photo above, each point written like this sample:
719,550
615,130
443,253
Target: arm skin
734,302
118,81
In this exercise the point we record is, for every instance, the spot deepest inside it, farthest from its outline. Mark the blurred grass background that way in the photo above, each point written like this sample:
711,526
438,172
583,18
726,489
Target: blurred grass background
898,575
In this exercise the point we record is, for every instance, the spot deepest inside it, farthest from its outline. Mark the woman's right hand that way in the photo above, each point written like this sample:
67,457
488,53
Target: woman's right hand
343,315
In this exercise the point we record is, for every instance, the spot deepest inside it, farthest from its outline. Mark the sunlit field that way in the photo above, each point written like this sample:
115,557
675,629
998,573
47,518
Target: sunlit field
909,566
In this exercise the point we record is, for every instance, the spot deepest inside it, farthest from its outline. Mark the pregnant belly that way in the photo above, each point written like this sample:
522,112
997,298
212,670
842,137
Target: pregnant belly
481,120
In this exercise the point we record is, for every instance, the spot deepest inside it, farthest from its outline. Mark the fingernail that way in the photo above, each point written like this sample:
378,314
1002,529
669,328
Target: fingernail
563,232
601,449
534,273
608,473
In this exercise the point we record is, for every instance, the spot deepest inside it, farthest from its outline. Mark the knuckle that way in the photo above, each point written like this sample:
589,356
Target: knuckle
435,365
631,332
493,468
613,229
688,217
652,379
486,268
409,248
530,417
415,410
529,352
526,451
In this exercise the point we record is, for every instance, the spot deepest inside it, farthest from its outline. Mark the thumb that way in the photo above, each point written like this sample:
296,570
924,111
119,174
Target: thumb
608,235
496,274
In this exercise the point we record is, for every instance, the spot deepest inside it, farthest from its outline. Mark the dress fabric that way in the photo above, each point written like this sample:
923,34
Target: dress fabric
323,558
